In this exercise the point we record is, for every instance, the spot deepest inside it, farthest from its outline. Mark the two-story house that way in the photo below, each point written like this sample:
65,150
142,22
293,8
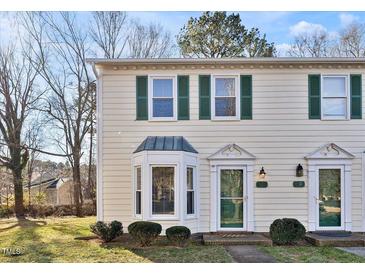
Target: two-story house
231,144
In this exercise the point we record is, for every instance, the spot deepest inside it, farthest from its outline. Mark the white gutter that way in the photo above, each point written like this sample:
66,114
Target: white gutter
267,60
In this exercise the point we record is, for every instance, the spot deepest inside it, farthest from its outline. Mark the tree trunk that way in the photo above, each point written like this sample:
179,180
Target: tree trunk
77,184
18,193
29,195
90,183
7,201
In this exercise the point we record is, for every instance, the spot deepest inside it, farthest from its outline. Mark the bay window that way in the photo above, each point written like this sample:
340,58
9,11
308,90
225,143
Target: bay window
163,190
138,191
190,192
165,180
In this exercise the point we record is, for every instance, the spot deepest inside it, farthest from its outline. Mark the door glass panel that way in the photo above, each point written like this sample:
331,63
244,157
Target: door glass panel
231,195
231,213
330,197
231,183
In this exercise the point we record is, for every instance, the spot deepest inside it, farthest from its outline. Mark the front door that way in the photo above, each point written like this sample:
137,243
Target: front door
231,198
330,213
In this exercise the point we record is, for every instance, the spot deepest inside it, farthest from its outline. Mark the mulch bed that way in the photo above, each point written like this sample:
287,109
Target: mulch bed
128,242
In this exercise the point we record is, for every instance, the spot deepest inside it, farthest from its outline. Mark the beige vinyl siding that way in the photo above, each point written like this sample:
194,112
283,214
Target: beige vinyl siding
280,135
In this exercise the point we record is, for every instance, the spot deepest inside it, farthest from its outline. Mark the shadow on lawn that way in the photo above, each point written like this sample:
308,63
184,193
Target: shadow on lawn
24,223
28,239
163,251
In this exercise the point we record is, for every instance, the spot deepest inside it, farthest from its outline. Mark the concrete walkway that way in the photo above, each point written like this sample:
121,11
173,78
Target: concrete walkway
248,254
359,251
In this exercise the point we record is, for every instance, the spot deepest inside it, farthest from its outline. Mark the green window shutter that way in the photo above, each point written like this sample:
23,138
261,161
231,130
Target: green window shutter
314,96
204,97
183,97
142,97
246,97
356,96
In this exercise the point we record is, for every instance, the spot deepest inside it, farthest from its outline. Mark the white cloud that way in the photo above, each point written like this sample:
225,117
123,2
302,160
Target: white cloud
304,27
282,49
347,19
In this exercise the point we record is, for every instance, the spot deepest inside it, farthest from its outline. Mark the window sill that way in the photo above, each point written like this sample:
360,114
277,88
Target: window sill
191,217
162,120
162,218
225,119
335,119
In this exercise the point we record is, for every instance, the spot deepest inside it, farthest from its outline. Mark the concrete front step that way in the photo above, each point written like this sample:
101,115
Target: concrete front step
354,240
229,238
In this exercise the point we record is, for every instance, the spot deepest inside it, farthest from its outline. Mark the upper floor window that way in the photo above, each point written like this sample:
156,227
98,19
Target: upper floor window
162,102
335,97
225,99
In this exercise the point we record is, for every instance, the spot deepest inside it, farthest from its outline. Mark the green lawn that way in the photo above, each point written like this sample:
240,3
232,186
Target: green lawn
311,254
52,240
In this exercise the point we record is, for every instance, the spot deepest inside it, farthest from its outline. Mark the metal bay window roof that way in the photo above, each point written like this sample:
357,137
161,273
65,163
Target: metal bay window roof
165,143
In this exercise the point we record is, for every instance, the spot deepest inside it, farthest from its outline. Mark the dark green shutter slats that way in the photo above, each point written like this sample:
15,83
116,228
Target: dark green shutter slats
314,96
183,97
246,97
142,97
356,96
204,97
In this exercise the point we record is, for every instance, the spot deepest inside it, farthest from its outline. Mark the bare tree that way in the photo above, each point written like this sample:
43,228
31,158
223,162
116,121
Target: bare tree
6,188
315,44
61,46
149,41
108,31
33,138
352,41
18,97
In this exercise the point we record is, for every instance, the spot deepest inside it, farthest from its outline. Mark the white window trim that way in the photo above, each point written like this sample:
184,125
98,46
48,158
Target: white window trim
179,159
150,97
139,216
176,201
194,215
336,118
237,94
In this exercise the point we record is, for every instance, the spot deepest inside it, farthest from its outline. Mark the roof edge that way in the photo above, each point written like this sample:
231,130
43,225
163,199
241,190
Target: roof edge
243,60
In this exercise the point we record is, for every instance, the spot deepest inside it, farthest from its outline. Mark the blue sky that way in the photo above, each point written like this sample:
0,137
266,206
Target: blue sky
280,27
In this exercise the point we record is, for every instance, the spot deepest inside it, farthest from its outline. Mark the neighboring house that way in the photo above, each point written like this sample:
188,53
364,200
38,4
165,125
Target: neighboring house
231,144
57,191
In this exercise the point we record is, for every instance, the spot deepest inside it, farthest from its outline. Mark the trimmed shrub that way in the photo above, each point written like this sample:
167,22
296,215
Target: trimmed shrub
178,235
286,231
107,231
144,232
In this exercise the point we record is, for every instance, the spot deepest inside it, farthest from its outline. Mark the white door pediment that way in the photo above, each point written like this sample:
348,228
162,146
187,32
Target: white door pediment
232,151
330,151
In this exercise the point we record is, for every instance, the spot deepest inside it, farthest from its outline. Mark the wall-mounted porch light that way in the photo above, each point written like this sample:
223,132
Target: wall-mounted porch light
299,171
262,173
